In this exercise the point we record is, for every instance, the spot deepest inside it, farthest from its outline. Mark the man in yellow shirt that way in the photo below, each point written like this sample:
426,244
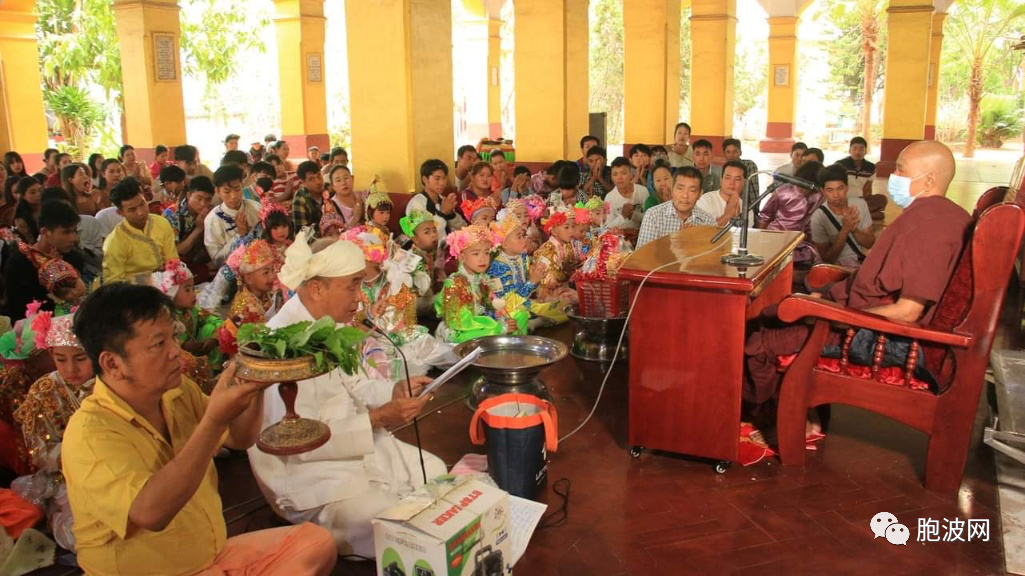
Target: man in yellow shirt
138,455
141,243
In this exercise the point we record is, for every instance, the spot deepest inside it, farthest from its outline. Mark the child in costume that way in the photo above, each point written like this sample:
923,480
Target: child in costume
479,211
63,285
597,207
558,258
511,267
422,230
277,230
582,239
195,328
331,225
379,209
388,300
43,415
469,305
253,267
534,208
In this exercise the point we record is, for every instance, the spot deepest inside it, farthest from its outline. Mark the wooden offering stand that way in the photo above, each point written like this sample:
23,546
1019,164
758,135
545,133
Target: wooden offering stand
293,434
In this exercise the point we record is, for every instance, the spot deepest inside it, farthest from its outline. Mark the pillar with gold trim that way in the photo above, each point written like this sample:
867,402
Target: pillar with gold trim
713,32
299,26
782,78
22,120
909,29
935,52
149,35
400,85
651,69
551,78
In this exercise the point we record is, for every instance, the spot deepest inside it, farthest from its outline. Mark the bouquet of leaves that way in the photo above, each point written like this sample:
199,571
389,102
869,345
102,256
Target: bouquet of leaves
331,347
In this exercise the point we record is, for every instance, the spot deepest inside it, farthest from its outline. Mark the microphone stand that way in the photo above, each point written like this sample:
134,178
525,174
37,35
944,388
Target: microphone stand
409,387
741,257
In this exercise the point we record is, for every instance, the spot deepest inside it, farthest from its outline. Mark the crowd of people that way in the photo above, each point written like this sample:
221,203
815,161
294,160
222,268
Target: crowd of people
135,280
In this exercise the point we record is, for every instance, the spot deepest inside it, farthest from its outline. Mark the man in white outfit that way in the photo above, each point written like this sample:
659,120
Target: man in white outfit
362,470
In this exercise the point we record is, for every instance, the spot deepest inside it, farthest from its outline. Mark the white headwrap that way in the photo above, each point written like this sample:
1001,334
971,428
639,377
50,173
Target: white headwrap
341,258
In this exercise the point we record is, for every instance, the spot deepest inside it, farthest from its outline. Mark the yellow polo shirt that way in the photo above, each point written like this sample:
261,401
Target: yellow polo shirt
109,454
128,251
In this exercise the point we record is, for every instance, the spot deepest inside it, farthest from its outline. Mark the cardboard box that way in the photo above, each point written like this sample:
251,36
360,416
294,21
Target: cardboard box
455,526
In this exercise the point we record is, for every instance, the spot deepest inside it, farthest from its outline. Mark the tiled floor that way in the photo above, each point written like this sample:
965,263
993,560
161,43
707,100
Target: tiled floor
668,514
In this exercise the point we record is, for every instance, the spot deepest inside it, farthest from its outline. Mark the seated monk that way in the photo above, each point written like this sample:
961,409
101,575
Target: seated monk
362,470
903,276
138,454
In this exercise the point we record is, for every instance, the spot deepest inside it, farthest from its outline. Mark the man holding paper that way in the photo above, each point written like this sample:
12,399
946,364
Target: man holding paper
362,470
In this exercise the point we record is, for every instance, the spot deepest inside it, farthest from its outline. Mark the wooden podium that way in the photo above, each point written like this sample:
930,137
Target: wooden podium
687,336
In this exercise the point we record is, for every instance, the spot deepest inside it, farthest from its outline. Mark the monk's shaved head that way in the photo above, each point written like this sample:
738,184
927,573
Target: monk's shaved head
928,156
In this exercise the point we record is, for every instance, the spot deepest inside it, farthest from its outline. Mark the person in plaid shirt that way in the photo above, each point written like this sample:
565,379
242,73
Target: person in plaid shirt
680,212
306,205
596,180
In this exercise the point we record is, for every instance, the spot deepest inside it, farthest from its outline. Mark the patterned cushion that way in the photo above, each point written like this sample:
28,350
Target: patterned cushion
892,375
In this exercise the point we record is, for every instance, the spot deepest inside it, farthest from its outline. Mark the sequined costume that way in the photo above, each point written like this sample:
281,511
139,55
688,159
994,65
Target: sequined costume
198,325
465,306
513,274
559,261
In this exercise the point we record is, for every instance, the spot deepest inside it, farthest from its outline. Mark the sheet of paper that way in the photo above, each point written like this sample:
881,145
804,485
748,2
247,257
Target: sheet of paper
451,372
523,518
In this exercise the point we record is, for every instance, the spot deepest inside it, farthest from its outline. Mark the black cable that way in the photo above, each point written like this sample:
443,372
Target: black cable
409,388
560,515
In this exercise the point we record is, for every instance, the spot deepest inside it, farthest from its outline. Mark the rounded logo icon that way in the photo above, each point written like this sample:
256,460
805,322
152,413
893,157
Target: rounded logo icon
897,534
880,522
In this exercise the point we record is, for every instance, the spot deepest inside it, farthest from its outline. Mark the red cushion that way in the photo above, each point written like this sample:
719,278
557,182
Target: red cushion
892,375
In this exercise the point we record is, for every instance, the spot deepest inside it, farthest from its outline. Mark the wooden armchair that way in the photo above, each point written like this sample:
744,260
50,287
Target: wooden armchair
954,347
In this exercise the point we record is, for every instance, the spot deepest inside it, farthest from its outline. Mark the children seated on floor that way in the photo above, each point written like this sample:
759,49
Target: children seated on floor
253,268
469,305
518,280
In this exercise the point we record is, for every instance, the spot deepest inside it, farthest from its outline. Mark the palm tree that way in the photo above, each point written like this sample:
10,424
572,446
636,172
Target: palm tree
870,13
975,27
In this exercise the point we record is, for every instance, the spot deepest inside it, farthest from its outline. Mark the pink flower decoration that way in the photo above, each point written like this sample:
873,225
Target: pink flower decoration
41,323
33,308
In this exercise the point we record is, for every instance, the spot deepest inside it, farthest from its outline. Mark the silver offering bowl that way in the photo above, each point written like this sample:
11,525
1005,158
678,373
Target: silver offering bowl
595,338
511,365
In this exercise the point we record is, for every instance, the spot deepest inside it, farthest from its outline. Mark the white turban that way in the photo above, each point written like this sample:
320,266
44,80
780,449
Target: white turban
341,258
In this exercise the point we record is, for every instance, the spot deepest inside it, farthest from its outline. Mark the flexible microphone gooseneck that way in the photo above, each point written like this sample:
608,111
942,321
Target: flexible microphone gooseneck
799,182
409,388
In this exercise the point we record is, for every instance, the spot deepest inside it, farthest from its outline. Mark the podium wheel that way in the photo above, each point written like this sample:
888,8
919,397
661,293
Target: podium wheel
635,451
722,466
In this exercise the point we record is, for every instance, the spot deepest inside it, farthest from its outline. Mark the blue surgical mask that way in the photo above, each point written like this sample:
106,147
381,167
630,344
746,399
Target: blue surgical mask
899,188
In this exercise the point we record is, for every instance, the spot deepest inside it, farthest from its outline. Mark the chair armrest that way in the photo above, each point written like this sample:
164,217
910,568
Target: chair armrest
798,306
822,275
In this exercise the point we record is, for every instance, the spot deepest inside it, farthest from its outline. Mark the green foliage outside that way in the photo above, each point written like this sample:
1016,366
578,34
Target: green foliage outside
606,72
1000,120
80,61
859,39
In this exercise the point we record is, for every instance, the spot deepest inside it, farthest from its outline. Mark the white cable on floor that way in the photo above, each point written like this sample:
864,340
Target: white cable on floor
626,324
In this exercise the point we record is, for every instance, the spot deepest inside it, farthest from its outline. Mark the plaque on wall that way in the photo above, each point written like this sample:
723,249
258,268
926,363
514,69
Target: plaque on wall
164,57
781,75
314,68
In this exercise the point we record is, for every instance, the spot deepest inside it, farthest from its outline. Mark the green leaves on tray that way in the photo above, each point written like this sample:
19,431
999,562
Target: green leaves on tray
330,346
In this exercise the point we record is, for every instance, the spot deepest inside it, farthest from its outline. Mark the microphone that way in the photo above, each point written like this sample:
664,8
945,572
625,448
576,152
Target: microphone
409,388
800,182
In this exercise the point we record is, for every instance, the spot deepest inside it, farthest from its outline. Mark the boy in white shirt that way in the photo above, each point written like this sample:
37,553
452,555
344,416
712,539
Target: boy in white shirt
625,201
233,217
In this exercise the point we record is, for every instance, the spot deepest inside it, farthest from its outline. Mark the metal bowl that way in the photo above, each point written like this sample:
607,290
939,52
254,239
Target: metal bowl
258,369
596,337
513,359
